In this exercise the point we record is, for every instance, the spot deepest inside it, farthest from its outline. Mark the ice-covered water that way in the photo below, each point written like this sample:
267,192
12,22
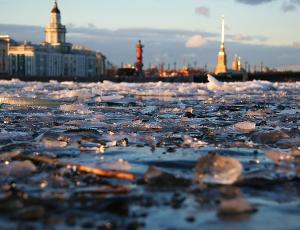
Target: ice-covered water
165,133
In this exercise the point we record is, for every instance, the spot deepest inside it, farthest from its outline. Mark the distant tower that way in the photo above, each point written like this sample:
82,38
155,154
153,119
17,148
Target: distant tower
235,63
222,58
55,32
139,56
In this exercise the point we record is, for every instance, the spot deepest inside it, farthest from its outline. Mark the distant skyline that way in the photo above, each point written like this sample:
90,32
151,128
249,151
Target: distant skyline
182,31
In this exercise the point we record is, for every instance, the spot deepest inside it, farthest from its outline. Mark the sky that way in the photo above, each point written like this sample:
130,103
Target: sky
181,31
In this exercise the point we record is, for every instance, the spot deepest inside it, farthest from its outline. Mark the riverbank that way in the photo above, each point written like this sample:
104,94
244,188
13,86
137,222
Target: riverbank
271,76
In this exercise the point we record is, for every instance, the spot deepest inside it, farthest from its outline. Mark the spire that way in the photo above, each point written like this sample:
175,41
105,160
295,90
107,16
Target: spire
222,57
223,30
55,8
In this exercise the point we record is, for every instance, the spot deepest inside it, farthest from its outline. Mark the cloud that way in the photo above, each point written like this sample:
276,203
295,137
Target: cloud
247,38
254,2
196,41
163,45
297,2
286,6
290,5
204,11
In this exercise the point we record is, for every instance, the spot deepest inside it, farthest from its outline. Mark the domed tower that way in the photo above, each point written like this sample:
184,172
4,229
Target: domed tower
55,32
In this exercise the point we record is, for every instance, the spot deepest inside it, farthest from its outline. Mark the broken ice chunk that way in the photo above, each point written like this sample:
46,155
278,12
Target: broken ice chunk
278,157
270,137
18,169
91,147
258,113
149,110
213,83
16,135
120,164
193,142
216,169
75,108
109,98
155,176
235,206
288,142
245,126
52,143
296,152
6,156
58,181
32,213
22,101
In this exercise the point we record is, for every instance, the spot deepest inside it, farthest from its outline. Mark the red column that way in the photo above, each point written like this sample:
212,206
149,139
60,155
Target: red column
139,55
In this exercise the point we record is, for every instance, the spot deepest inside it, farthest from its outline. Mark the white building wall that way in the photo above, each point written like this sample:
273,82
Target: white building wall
3,57
46,61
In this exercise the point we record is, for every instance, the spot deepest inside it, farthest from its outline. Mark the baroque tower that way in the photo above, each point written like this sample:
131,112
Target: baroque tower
222,57
55,32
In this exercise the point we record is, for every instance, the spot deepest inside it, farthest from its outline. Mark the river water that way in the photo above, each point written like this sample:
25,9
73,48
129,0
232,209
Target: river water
158,132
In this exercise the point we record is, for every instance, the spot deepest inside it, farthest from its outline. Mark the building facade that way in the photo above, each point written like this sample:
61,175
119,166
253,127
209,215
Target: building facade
100,64
54,57
4,46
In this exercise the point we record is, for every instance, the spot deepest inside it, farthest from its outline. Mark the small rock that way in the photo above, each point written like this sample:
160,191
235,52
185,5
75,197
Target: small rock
216,169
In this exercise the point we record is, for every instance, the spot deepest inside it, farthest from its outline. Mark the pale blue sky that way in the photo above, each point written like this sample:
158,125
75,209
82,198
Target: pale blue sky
266,23
263,19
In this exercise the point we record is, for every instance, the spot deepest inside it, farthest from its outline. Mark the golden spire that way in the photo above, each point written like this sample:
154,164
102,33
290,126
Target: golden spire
55,8
222,57
223,30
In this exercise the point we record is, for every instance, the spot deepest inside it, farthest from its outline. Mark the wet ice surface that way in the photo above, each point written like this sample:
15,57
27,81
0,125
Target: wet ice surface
216,155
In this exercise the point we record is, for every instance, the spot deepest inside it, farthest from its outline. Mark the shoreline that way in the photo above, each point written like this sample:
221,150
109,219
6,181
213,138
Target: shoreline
271,76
